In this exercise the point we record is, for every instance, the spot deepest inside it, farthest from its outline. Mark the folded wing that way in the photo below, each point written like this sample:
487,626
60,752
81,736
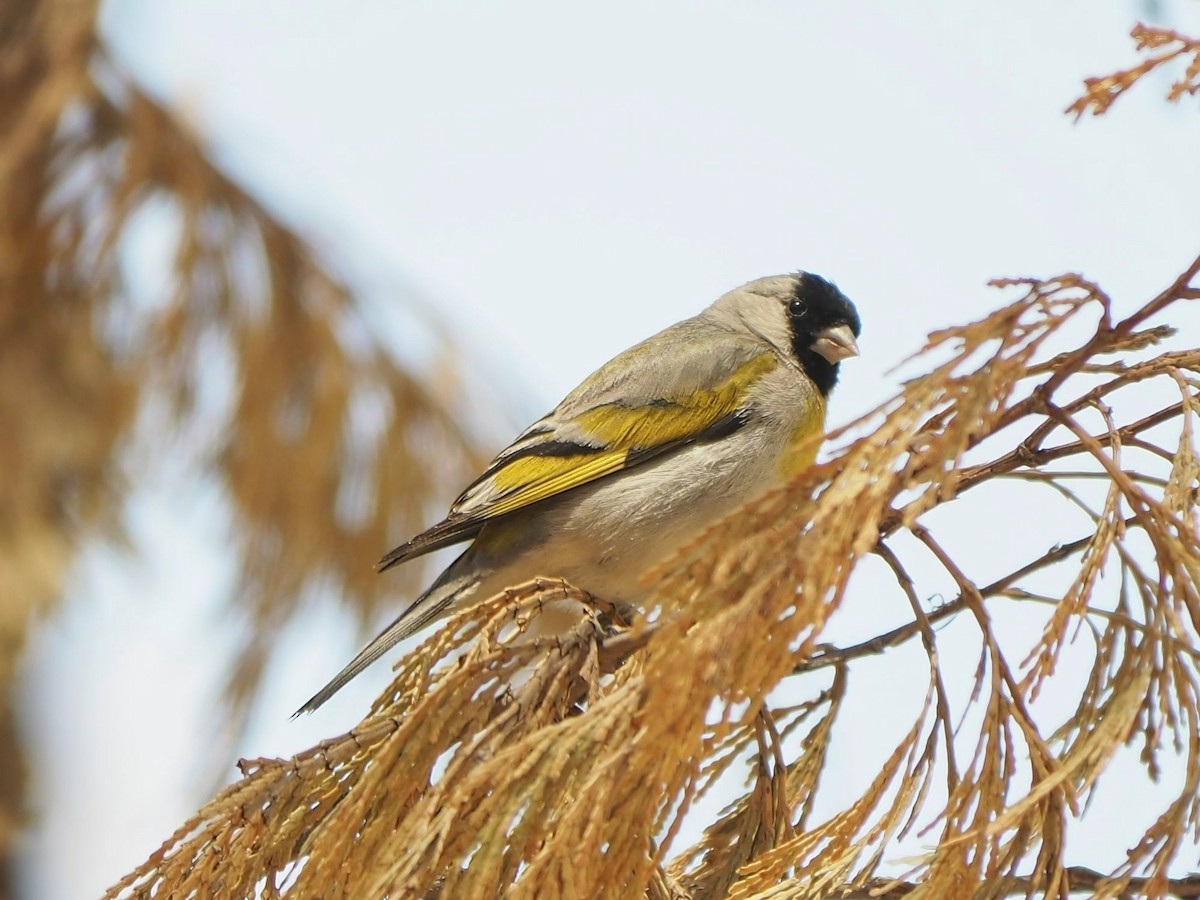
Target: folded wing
610,423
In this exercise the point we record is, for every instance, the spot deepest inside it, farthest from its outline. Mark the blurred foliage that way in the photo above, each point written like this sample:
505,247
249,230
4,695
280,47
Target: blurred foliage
327,449
564,766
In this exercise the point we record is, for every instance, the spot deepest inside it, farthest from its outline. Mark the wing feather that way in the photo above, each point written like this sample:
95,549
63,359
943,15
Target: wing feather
606,426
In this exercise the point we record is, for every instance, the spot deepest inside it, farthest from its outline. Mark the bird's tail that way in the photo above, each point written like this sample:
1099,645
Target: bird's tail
428,607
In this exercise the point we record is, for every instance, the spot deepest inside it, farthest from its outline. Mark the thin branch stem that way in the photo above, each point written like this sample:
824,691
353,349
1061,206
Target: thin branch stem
831,656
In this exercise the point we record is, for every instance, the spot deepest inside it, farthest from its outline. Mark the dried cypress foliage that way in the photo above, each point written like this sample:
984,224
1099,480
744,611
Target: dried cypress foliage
325,447
564,767
1163,49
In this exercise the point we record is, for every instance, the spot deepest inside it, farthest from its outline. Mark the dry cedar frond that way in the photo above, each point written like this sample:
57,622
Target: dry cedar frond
1161,47
564,767
330,450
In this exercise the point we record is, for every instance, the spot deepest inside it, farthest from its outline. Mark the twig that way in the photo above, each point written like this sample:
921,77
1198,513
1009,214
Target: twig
831,656
1028,455
925,629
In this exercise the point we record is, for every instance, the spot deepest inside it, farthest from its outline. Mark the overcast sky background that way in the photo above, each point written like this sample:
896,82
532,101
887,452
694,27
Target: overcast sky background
558,181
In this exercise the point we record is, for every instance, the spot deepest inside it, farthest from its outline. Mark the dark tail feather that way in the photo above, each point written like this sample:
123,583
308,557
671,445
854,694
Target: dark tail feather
451,531
427,607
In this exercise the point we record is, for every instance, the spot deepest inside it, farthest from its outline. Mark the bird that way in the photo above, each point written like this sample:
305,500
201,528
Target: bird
642,456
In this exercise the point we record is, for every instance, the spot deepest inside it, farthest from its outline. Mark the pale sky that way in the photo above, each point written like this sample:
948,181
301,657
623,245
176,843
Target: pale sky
558,181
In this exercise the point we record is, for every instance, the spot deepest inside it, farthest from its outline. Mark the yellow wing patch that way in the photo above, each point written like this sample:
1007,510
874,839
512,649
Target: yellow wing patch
534,478
621,431
615,425
626,436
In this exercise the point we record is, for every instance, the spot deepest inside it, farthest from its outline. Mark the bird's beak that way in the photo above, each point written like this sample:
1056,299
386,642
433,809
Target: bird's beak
836,343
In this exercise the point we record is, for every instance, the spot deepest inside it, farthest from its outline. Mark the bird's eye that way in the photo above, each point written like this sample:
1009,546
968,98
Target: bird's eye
796,308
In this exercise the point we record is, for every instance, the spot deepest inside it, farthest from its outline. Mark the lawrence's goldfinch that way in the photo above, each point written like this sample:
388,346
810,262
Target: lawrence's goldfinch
643,455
